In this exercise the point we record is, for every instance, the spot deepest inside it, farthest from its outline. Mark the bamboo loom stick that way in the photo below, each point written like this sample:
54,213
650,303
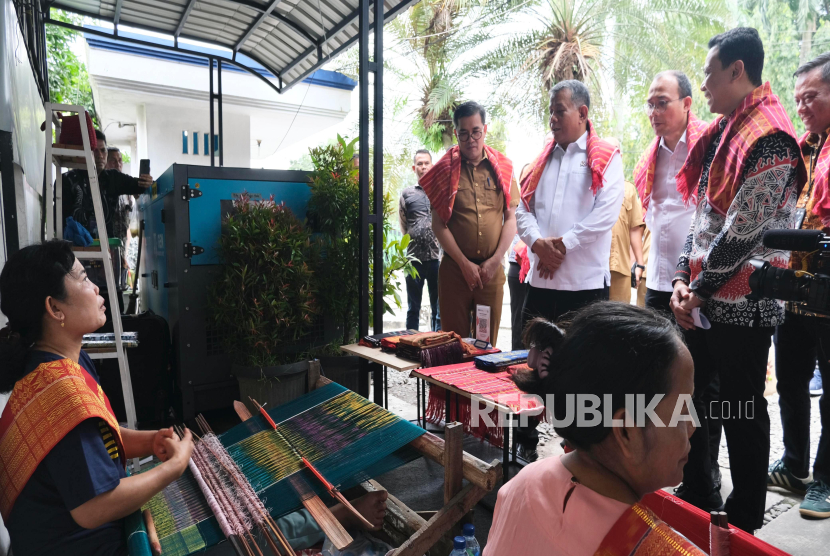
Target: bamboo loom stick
152,534
267,518
233,539
330,525
336,494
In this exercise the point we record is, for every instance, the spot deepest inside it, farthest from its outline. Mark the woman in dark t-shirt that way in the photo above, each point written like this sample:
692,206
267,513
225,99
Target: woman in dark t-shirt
63,486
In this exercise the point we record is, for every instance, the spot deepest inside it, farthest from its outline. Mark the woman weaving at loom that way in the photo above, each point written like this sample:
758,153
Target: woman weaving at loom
587,502
63,486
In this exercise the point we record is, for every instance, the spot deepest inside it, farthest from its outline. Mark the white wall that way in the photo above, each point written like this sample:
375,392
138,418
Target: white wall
164,125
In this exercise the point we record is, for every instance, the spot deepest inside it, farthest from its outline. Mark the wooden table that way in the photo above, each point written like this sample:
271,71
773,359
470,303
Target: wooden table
501,408
375,356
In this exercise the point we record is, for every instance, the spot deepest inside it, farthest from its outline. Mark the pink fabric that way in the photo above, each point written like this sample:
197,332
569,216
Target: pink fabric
529,518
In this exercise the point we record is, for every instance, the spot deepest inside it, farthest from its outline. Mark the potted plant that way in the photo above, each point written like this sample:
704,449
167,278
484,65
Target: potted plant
264,299
334,215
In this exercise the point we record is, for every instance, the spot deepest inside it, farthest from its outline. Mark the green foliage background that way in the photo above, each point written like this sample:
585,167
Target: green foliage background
68,79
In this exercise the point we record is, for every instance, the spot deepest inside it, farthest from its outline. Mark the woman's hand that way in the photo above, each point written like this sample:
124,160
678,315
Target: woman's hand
159,448
178,450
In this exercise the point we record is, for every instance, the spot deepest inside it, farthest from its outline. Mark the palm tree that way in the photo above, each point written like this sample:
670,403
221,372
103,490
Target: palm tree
436,33
626,41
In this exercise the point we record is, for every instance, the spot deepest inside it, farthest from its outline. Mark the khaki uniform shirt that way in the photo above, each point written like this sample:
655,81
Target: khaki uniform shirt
631,216
478,212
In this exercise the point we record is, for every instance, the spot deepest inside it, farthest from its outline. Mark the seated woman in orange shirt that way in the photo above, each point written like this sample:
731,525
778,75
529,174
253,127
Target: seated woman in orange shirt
586,502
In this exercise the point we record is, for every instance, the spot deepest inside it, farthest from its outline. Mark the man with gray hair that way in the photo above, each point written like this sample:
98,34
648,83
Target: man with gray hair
570,201
804,334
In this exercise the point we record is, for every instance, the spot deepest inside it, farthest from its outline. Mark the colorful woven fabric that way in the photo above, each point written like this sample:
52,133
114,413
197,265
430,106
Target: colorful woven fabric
346,437
639,532
43,407
441,182
820,177
495,387
499,360
693,523
374,341
600,153
425,339
644,171
760,114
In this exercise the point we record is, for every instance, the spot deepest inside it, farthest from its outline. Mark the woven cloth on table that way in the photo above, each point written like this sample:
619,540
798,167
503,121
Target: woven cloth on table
374,340
426,339
499,360
495,387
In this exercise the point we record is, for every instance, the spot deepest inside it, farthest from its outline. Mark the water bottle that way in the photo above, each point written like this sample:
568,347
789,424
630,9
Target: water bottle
459,547
473,548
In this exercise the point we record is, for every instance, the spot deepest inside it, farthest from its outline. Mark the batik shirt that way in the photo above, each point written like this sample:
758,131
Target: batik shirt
416,220
719,246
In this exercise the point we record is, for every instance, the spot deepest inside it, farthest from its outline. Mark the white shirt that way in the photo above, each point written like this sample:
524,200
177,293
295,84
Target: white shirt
564,206
667,217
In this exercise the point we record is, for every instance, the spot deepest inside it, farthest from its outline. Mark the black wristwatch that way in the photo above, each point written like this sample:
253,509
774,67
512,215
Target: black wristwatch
637,265
634,275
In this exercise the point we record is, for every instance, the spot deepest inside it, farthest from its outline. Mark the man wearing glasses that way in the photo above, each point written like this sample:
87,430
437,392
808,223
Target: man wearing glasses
666,215
473,196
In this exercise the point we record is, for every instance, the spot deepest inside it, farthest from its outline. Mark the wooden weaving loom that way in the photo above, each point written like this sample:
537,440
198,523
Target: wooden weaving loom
186,525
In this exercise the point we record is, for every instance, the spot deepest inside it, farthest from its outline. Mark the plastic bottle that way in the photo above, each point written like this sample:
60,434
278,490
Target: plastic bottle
473,548
459,547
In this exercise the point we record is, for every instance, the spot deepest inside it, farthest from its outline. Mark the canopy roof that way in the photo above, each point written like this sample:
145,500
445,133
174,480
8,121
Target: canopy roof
289,38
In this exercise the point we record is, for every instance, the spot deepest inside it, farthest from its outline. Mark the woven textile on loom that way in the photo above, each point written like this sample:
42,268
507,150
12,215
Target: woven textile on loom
496,387
497,361
346,437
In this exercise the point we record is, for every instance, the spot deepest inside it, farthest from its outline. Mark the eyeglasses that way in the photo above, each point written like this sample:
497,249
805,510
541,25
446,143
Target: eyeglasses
464,136
658,108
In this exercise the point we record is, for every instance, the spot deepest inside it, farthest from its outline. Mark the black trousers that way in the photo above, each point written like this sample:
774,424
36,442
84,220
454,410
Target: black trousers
659,301
552,305
797,344
427,273
518,291
738,355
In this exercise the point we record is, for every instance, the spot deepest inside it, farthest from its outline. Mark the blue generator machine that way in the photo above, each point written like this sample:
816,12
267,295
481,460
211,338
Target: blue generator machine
182,218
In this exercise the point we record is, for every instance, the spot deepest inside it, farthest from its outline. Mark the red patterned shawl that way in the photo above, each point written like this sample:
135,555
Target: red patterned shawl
441,182
760,114
820,177
600,153
644,171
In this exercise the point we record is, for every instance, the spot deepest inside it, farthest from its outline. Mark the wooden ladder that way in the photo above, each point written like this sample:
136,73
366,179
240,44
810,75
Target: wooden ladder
80,157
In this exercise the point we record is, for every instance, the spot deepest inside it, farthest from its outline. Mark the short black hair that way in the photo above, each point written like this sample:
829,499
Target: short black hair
741,43
100,135
467,109
637,350
821,61
113,150
684,86
579,92
421,151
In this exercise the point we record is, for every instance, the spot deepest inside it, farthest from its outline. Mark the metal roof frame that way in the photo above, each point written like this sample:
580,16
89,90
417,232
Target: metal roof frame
290,38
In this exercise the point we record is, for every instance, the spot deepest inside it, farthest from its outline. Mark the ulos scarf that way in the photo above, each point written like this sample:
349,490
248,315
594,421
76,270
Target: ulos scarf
441,182
45,406
644,171
759,115
600,153
821,187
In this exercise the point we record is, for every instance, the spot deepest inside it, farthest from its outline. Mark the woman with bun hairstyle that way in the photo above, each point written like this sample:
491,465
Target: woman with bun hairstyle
586,502
63,486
